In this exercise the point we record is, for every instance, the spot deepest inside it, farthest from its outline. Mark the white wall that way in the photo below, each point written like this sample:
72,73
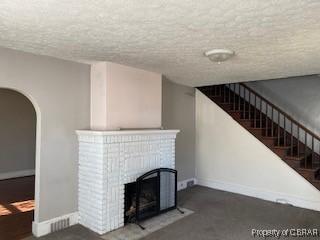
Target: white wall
178,112
124,97
228,157
60,91
17,135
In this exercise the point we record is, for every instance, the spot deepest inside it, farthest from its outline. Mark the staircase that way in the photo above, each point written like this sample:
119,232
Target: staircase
293,143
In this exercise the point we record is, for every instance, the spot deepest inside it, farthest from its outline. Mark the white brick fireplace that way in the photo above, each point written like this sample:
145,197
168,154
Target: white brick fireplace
110,159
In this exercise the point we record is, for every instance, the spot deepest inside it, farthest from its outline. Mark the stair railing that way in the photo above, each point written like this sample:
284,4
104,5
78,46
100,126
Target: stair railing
301,142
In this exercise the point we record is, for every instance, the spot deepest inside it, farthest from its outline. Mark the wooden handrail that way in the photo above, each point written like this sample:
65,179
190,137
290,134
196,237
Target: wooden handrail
284,135
281,111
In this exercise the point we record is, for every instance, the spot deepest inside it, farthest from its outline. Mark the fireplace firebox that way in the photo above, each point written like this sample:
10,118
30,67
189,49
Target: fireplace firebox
153,193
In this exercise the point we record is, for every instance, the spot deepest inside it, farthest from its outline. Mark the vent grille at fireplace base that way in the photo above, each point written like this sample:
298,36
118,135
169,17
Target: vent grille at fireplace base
59,225
153,193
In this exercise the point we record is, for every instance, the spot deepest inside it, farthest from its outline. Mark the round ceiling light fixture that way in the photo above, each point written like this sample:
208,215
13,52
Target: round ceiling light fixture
219,55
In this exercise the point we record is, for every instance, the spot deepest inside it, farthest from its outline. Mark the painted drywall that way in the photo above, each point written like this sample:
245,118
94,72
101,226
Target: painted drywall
98,95
124,97
18,133
228,157
298,96
60,91
178,112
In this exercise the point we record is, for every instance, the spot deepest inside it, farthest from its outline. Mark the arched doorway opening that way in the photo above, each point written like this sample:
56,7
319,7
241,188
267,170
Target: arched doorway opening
18,151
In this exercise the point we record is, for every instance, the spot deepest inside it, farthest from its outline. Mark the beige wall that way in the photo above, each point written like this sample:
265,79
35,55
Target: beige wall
228,157
60,91
18,134
178,112
124,97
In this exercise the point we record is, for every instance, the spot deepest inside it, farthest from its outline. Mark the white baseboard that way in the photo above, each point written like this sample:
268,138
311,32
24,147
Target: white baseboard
16,174
44,228
261,194
183,184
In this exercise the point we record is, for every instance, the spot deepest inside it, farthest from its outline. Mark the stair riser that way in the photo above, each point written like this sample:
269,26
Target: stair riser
246,124
280,152
293,164
268,141
236,115
226,107
307,174
257,132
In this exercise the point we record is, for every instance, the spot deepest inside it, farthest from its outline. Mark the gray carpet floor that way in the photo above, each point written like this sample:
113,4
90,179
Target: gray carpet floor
218,215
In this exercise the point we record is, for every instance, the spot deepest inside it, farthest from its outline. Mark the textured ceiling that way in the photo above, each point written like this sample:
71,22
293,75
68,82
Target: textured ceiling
272,39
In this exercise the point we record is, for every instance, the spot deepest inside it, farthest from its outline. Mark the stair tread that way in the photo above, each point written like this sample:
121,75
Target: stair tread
246,119
282,147
294,158
308,169
269,137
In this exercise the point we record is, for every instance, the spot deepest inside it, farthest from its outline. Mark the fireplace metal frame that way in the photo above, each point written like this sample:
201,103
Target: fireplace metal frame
138,192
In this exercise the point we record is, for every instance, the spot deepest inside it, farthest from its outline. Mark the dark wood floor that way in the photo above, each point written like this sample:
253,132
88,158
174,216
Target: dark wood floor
16,208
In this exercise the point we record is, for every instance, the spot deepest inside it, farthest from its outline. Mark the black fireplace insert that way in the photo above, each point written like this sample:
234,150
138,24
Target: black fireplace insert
153,193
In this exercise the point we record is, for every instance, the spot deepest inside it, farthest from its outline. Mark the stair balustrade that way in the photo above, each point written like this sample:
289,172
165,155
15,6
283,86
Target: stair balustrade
270,124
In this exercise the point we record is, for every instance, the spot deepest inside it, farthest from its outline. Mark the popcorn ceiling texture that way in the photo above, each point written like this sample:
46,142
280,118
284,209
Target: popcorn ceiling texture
272,39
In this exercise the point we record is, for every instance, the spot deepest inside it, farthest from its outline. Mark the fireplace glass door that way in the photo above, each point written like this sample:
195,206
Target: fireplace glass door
153,193
147,196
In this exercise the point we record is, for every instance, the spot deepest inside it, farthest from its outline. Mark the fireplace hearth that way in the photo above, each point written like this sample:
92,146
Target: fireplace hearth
151,194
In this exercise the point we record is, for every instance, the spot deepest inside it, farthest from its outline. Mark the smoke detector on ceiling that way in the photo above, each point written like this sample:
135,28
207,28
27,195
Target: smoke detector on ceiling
219,55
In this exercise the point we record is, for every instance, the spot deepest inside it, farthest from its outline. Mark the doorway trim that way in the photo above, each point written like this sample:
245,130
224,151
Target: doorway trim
37,150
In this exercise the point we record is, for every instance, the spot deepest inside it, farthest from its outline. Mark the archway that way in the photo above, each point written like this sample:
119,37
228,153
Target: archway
19,156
